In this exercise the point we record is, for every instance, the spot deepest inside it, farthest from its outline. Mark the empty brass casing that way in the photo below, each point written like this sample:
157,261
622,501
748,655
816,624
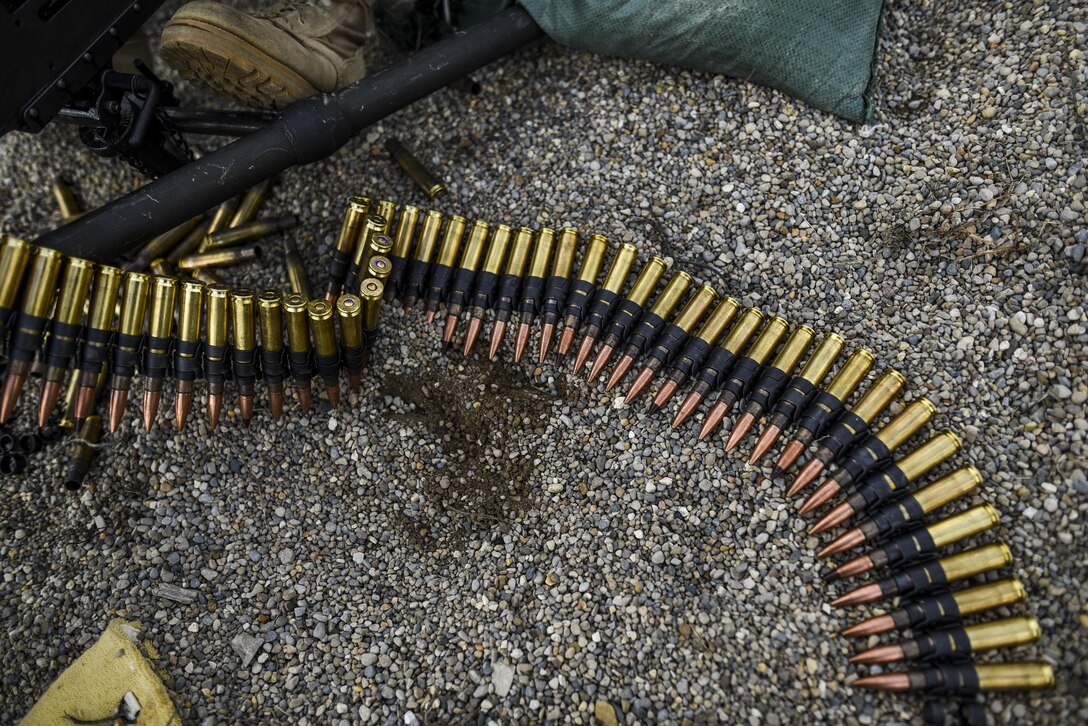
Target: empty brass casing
379,267
1014,676
161,317
75,286
14,255
619,268
218,315
371,292
406,231
221,258
349,310
877,398
906,424
190,307
190,243
949,488
975,561
242,313
162,267
270,320
386,210
991,595
248,232
850,375
322,330
768,339
298,279
428,237
593,259
71,391
298,326
159,247
415,169
475,243
542,253
496,250
250,204
670,297
522,247
929,455
647,280
451,241
718,320
694,308
107,281
41,282
821,360
134,304
963,525
222,215
565,251
793,349
745,327
207,276
66,200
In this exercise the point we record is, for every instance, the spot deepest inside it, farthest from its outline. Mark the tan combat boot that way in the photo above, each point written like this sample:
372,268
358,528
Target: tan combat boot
269,58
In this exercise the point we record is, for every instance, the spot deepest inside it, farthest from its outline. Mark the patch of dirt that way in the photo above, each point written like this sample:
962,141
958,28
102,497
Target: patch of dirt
480,414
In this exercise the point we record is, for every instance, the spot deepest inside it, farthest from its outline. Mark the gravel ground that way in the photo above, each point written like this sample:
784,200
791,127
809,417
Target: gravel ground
537,550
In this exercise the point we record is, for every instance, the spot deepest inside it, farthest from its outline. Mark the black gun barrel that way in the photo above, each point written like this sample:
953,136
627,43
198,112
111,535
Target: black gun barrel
306,131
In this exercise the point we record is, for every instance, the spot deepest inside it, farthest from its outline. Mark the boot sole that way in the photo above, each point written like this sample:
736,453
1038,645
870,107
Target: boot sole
214,57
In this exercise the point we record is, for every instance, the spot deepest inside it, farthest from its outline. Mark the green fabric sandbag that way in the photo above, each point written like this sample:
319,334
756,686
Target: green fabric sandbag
821,51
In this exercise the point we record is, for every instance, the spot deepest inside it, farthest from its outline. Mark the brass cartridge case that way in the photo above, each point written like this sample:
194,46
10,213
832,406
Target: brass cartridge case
14,256
738,336
952,487
718,320
40,288
379,267
989,596
593,259
75,287
349,311
906,424
217,332
670,297
428,237
371,293
406,230
221,258
877,398
821,360
695,307
270,320
975,561
387,210
322,330
190,309
104,289
250,204
134,304
223,215
234,236
243,319
496,250
298,326
415,169
520,251
451,241
965,524
1014,676
161,316
794,348
620,268
767,340
542,253
566,249
66,200
298,279
928,455
850,375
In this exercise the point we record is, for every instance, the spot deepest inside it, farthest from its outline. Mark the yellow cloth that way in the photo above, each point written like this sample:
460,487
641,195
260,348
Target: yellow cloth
93,687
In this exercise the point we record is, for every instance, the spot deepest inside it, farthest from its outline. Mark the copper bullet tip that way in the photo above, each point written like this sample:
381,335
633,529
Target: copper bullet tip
853,568
333,393
789,455
330,298
429,316
885,682
84,403
118,401
687,408
603,356
473,332
740,430
860,596
819,497
215,408
305,398
845,542
810,471
668,389
498,332
764,443
448,331
878,655
151,407
50,395
13,386
245,403
566,340
182,405
545,342
584,349
521,341
275,404
621,370
713,417
872,626
644,377
355,381
835,517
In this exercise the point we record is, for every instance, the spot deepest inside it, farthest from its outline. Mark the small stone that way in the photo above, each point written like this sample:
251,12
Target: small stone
246,646
502,678
605,714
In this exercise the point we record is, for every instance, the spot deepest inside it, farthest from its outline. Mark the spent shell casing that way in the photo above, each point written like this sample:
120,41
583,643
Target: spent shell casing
161,246
487,280
250,204
84,451
582,291
14,257
400,255
67,418
127,343
188,356
532,288
346,242
222,216
243,328
415,169
67,204
557,287
673,338
349,313
326,352
415,285
162,267
39,291
298,347
373,224
298,279
64,327
472,254
650,325
517,263
216,347
257,229
273,363
156,353
442,269
96,335
221,258
189,245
